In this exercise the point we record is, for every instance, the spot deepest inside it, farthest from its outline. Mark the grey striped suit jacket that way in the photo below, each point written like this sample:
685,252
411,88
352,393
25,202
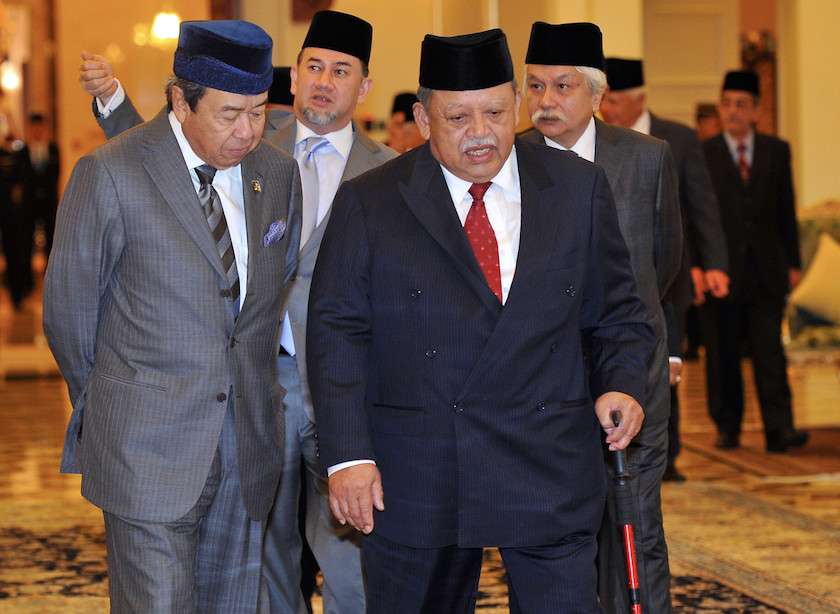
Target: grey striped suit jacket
151,350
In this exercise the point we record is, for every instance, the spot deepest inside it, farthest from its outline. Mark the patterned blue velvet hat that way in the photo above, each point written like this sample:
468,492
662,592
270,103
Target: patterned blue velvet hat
228,55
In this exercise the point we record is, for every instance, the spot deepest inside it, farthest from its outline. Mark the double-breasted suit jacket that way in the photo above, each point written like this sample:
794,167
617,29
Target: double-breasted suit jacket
480,417
759,215
138,314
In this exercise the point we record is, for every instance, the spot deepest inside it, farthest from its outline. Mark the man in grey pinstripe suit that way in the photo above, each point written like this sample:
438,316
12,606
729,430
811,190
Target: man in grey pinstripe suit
329,81
170,360
565,80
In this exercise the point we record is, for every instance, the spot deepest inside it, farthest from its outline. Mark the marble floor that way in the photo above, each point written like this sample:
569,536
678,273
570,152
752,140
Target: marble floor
765,526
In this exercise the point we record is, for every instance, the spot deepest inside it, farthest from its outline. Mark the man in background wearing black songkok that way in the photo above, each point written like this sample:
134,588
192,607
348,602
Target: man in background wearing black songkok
752,177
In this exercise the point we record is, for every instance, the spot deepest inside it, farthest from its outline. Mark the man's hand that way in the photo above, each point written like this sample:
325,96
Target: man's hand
717,282
354,492
795,276
698,282
619,437
97,77
675,368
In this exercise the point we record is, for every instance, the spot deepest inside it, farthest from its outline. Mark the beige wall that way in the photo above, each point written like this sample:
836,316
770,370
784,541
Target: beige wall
142,69
808,46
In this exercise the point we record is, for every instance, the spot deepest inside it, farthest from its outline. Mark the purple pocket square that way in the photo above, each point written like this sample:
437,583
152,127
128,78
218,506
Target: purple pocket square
275,232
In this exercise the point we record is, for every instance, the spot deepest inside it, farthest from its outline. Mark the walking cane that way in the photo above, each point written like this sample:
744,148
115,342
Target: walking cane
624,514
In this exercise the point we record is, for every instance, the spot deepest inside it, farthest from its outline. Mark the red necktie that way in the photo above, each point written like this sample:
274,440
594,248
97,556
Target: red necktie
483,239
743,165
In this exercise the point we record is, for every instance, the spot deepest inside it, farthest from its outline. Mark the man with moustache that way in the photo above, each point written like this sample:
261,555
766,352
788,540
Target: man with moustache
565,80
453,296
704,258
329,80
162,307
752,176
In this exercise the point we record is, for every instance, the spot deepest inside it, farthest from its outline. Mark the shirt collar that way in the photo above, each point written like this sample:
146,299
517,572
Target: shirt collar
341,139
585,146
749,142
507,179
643,123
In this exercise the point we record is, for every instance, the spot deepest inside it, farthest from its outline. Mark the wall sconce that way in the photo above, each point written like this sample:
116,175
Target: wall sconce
9,76
165,26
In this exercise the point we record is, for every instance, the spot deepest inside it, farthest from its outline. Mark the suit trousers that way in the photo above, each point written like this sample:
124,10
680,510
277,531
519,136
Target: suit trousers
646,460
208,561
758,317
335,547
554,578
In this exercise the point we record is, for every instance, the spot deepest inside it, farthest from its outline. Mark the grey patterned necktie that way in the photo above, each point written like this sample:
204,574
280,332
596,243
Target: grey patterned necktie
310,186
211,204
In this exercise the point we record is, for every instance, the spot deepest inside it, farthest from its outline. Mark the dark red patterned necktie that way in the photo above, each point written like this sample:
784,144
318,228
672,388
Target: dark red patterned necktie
483,239
743,165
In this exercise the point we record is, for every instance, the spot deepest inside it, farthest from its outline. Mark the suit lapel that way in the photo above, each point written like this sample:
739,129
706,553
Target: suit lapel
540,218
176,187
428,198
251,174
607,154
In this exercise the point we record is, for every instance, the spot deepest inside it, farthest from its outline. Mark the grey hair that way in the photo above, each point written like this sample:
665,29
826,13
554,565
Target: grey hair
596,78
193,92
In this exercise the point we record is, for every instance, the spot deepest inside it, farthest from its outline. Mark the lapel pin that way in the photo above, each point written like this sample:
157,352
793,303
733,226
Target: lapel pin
257,186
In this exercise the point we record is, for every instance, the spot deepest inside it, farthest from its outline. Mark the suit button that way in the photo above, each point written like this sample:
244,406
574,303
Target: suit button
233,342
225,293
554,347
541,407
570,291
431,353
458,408
221,397
416,293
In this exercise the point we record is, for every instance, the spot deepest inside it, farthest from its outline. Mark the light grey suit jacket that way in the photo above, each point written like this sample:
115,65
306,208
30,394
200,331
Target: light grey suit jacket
365,155
281,130
136,314
643,179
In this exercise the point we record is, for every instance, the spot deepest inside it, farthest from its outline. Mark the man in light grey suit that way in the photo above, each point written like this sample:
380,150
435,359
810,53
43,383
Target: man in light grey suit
161,305
329,80
564,82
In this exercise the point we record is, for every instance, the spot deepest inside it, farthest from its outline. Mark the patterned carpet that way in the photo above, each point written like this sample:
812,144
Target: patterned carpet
63,570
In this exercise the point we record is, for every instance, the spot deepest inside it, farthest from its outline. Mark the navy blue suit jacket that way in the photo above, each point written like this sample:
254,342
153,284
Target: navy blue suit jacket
479,417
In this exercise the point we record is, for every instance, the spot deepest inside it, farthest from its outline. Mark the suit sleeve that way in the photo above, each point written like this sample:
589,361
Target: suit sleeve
338,334
89,239
789,227
669,235
122,118
614,318
708,243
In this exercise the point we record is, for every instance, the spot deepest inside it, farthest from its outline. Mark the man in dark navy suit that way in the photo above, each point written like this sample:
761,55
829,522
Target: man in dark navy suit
454,293
754,185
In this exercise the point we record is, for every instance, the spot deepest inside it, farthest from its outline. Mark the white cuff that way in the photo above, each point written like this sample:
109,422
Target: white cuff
347,464
115,101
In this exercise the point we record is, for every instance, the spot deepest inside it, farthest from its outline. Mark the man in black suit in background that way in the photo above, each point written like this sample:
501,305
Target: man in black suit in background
752,177
704,259
453,294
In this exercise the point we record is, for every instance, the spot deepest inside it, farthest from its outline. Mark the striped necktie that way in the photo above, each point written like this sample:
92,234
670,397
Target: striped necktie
211,204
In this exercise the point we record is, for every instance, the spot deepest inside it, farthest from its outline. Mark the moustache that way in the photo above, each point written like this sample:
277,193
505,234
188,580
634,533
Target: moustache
547,116
473,142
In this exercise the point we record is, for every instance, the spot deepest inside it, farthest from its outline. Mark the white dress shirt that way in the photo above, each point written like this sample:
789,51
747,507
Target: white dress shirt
228,184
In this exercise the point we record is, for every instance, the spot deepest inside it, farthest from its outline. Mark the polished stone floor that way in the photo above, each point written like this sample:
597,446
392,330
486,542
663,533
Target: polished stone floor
766,526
